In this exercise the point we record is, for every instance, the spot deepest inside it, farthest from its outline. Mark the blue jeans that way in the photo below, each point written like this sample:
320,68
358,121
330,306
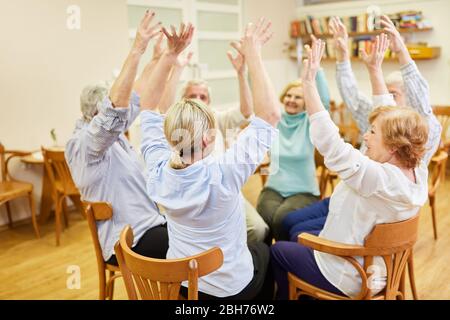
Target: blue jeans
308,219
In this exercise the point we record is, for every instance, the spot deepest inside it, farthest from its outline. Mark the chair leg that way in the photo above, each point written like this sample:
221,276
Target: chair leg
433,215
65,209
8,211
33,214
102,284
58,209
111,285
412,280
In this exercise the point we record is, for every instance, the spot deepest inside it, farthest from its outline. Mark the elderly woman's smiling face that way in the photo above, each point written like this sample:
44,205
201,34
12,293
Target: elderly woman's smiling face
293,100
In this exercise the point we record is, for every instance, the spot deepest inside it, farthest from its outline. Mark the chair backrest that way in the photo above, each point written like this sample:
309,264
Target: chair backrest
160,279
347,126
393,242
2,163
439,163
5,158
97,211
443,115
58,170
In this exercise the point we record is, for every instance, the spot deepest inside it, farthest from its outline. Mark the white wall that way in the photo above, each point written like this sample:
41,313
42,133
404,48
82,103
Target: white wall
43,67
437,71
281,69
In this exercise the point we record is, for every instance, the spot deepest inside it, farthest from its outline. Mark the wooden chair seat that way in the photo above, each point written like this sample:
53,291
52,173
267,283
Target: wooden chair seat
12,189
392,241
69,190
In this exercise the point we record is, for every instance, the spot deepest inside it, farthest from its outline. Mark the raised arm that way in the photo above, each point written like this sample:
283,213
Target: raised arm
416,87
373,62
360,173
121,90
170,90
157,53
155,83
265,102
245,96
358,103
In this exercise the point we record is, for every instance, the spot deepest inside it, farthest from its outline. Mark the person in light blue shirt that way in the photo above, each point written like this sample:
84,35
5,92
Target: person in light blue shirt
292,183
106,168
200,191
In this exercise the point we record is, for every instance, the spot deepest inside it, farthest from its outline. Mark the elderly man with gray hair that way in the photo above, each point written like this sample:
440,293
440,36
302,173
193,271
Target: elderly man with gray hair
104,165
406,87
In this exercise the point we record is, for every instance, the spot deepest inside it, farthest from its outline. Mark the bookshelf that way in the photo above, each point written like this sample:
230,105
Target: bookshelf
366,33
361,34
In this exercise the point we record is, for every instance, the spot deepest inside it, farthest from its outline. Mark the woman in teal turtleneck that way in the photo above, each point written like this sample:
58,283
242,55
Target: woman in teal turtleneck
292,183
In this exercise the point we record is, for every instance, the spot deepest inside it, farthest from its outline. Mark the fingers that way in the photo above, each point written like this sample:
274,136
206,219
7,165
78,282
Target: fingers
363,55
166,33
148,17
230,56
250,29
174,31
237,46
189,57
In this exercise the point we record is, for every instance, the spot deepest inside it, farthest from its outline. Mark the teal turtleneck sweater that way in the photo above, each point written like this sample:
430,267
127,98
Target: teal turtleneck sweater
292,166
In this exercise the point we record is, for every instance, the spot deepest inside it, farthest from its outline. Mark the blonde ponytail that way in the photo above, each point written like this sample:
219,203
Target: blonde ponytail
184,127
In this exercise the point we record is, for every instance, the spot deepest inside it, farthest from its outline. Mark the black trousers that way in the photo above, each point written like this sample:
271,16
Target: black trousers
153,244
261,287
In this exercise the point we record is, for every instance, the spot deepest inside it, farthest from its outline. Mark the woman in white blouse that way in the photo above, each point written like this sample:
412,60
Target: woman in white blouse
386,184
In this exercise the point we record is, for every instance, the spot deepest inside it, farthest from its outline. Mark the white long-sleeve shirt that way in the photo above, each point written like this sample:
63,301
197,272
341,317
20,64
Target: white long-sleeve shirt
202,202
370,193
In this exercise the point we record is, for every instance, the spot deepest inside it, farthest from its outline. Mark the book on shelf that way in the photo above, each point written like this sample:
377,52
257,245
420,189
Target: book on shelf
358,23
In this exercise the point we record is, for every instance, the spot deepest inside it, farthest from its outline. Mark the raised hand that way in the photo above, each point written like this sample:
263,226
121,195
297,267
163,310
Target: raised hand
158,49
237,61
145,32
183,60
312,63
177,42
395,38
340,36
255,37
374,60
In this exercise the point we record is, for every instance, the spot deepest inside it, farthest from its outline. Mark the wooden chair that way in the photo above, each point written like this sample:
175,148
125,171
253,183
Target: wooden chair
392,241
11,188
62,185
443,115
438,164
347,126
160,279
101,211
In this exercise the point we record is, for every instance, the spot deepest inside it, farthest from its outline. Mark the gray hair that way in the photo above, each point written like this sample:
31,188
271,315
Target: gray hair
91,99
395,78
195,82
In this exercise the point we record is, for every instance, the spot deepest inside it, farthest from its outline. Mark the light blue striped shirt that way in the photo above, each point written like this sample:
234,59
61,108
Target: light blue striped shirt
105,167
203,206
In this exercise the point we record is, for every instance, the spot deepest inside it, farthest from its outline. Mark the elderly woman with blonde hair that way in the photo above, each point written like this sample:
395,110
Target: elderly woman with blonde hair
200,192
292,183
386,184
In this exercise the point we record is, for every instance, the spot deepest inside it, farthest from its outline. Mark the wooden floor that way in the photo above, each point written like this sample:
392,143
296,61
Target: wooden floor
37,269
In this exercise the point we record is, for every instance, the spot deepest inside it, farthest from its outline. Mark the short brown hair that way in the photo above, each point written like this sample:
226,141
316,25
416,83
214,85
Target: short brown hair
404,130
